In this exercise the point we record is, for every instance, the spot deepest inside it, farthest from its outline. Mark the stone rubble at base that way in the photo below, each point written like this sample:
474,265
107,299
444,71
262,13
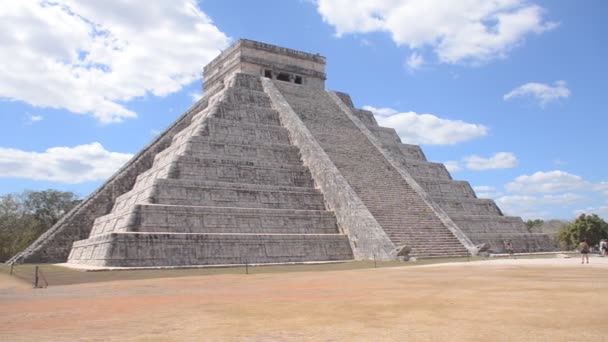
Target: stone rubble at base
269,167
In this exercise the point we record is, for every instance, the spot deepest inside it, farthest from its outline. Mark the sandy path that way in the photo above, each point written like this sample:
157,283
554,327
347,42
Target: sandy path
502,300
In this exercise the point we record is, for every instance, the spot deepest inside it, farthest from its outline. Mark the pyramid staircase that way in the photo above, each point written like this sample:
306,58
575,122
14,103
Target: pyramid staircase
229,189
404,216
480,219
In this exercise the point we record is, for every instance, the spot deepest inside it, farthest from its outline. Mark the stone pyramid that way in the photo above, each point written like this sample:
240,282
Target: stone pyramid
269,167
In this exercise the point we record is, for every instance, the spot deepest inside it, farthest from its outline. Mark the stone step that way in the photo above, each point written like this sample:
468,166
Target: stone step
204,193
195,219
423,237
241,171
170,249
480,224
429,254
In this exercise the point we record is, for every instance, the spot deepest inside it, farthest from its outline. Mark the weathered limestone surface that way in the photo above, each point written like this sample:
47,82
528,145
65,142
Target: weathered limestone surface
270,167
252,200
172,249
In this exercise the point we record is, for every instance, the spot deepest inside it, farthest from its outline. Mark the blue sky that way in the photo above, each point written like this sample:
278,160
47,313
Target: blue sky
507,93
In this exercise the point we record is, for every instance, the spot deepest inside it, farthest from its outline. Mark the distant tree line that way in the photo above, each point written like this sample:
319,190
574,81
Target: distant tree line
568,234
25,216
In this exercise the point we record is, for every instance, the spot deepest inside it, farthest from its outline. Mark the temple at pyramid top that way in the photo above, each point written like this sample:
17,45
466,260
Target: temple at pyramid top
270,61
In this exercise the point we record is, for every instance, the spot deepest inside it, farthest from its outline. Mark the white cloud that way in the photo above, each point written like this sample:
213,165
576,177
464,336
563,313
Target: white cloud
500,160
544,93
545,182
62,164
485,191
559,162
458,31
33,118
195,95
414,128
601,187
601,211
537,206
452,166
484,188
552,194
414,62
384,112
94,56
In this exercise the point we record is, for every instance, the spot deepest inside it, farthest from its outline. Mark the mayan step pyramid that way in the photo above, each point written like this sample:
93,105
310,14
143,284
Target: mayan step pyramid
269,167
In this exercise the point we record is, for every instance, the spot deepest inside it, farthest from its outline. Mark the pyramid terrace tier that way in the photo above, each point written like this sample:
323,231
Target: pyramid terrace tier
387,136
231,170
269,153
193,219
419,168
522,243
238,97
205,193
158,249
366,116
497,230
441,188
248,113
469,206
231,131
407,152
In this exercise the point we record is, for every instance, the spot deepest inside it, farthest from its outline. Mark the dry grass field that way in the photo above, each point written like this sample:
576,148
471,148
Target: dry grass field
500,300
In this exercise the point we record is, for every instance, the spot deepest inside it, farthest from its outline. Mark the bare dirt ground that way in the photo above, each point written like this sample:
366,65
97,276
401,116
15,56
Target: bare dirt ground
501,300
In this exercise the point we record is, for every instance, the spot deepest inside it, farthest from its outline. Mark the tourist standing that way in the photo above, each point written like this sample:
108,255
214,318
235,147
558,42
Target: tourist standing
604,247
509,248
584,248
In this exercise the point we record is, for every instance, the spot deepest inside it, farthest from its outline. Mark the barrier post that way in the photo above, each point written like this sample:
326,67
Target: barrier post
36,277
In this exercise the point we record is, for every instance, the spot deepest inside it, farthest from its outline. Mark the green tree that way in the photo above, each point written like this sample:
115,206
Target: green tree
589,227
50,205
23,217
531,224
